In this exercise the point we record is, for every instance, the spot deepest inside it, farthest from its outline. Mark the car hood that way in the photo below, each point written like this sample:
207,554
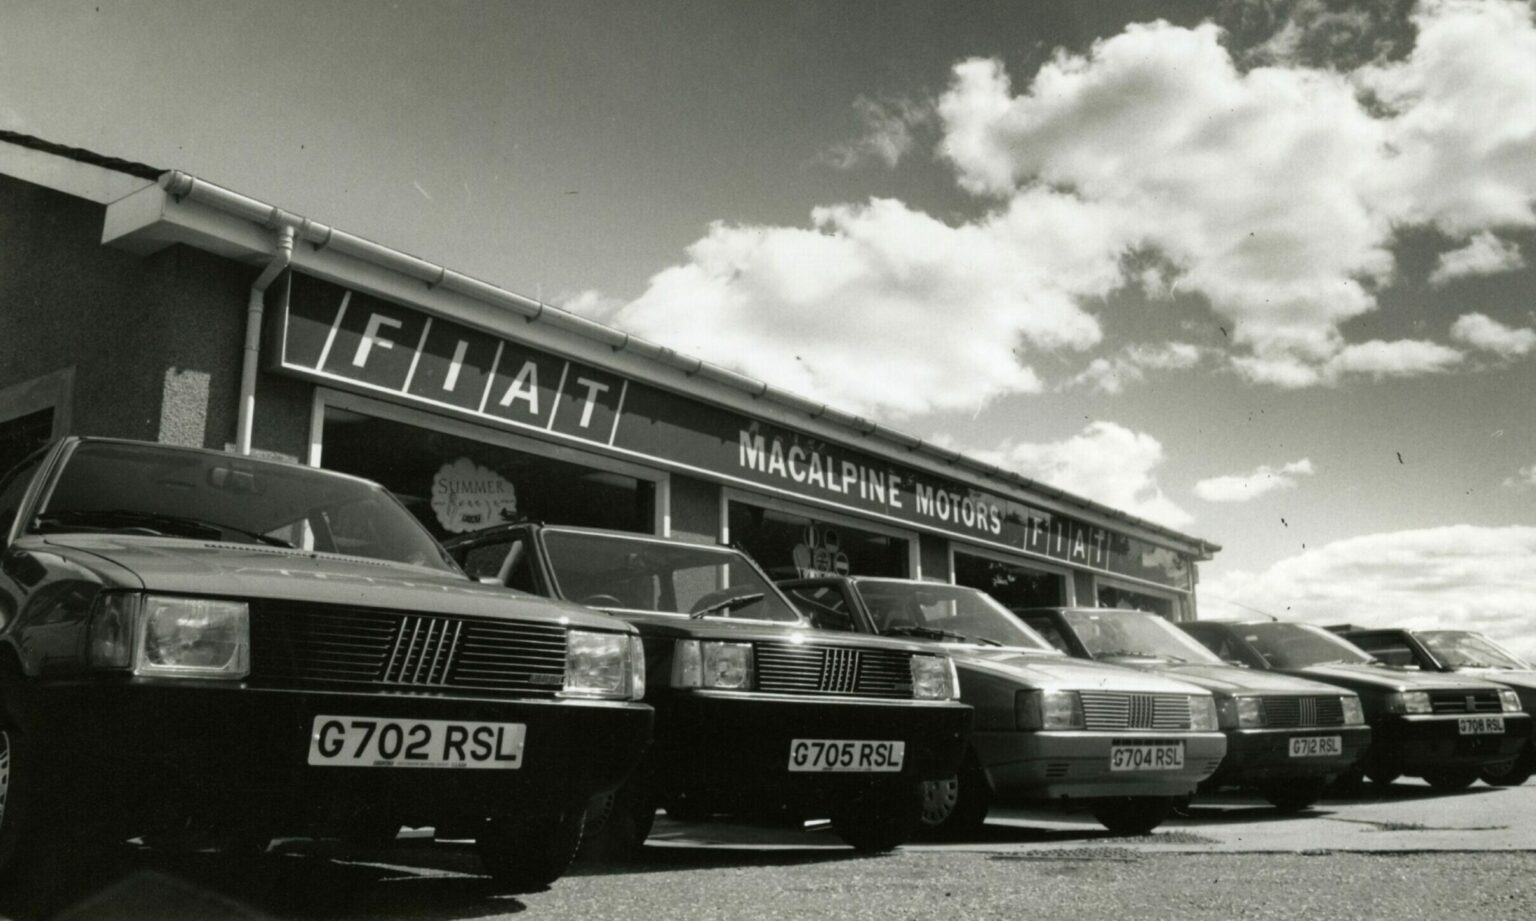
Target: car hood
1228,680
192,567
682,627
1045,670
1391,679
1513,677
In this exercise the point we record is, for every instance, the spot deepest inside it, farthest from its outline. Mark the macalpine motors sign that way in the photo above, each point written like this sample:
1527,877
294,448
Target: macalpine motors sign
352,339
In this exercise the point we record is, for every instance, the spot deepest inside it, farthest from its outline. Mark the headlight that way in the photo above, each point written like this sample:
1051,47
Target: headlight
1202,714
1510,700
1408,702
194,637
712,664
1047,710
1353,714
1250,712
934,678
598,665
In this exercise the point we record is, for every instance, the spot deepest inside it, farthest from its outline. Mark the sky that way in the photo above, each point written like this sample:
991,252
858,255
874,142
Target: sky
1263,271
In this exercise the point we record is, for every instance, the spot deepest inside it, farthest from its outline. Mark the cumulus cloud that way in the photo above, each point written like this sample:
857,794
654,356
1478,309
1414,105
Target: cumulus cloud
1105,462
887,133
1248,486
1484,254
1484,332
1131,364
1274,193
1456,577
1525,479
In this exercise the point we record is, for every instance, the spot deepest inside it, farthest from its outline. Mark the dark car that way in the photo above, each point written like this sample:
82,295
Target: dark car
198,645
756,713
1124,745
1287,737
1444,728
1464,652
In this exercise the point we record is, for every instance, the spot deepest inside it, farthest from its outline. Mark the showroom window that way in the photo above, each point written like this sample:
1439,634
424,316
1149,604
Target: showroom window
1113,596
794,546
455,484
1013,585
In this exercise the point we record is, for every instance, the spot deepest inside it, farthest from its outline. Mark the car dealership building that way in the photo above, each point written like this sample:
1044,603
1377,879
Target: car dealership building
150,304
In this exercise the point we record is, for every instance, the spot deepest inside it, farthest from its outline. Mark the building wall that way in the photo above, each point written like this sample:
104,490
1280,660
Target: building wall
155,342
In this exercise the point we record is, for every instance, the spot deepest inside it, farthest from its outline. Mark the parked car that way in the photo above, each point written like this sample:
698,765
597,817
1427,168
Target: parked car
1126,746
1444,728
1287,737
756,714
197,643
1464,652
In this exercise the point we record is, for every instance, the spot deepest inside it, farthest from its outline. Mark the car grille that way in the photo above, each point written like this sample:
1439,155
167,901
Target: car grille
1295,712
322,644
808,668
1108,710
1481,701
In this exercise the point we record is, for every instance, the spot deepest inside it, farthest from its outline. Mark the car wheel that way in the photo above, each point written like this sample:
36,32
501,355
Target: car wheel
881,819
1295,795
528,852
684,809
1382,778
1133,815
617,824
969,797
372,828
1507,774
939,798
1452,778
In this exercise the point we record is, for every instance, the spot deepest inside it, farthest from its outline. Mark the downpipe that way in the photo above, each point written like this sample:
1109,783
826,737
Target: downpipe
255,306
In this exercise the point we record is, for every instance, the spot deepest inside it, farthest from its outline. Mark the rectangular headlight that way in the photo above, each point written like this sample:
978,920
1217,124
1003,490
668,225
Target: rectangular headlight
727,666
1202,713
1047,710
1510,700
597,665
1408,702
1354,715
934,678
193,637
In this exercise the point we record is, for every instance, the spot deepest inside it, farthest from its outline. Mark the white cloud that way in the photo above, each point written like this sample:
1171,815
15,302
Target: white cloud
1105,462
1484,332
1456,577
1484,254
1131,364
1525,479
887,132
1274,193
1246,486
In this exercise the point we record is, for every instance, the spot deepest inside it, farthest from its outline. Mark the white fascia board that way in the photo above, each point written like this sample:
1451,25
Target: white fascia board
72,177
151,219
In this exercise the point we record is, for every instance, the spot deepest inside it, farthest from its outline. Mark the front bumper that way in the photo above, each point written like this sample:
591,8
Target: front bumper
1030,766
1262,755
731,751
1418,744
173,748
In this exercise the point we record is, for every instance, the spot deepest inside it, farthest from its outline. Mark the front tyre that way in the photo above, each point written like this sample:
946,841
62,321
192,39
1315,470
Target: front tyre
1133,815
957,808
1509,773
1296,795
1451,779
527,853
880,820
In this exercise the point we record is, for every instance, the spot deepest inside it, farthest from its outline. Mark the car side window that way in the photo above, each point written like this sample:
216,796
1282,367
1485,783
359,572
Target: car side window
1390,650
825,605
12,488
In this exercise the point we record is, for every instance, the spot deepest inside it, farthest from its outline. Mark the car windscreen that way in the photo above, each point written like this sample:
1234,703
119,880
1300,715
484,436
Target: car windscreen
1465,649
1301,645
638,574
1112,633
199,495
947,613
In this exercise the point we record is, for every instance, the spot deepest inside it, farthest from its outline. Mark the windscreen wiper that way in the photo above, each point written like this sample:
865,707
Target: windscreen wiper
931,633
166,525
726,604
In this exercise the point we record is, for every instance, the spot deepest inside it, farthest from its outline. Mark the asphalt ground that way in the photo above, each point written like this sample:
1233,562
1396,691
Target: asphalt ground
1404,852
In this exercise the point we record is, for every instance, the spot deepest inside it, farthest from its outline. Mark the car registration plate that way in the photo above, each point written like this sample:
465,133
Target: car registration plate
1316,746
356,741
845,755
1158,756
1480,725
